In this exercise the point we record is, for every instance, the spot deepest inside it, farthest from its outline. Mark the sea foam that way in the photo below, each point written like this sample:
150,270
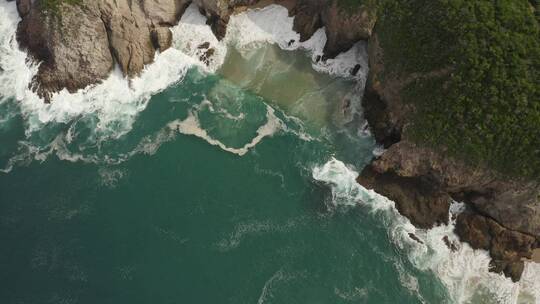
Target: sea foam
116,102
464,273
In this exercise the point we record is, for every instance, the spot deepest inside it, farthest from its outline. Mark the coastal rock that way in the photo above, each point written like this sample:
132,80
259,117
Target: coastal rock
129,35
23,7
345,26
164,13
161,38
308,17
78,44
415,198
451,245
218,13
207,54
73,50
507,248
504,212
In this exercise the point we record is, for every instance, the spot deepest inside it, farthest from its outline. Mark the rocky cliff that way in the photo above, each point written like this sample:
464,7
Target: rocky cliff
78,43
503,214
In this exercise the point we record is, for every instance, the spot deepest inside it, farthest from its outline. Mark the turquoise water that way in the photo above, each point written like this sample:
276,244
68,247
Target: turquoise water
157,216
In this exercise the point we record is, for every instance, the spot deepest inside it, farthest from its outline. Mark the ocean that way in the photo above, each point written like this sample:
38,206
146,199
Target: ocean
230,181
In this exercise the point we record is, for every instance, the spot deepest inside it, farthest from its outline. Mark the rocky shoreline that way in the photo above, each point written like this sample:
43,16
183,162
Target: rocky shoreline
81,46
503,213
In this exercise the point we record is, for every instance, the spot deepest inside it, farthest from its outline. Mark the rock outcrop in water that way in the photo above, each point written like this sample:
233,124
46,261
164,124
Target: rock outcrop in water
343,27
503,213
79,44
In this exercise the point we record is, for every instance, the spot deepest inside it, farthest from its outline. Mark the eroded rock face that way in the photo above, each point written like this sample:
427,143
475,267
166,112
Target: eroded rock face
507,247
504,213
415,198
79,45
74,50
308,17
345,27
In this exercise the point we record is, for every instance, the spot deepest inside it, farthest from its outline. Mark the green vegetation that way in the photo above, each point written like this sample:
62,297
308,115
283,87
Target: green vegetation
352,5
483,105
54,5
349,4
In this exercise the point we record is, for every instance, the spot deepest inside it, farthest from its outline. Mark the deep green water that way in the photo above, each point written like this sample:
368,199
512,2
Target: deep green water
157,216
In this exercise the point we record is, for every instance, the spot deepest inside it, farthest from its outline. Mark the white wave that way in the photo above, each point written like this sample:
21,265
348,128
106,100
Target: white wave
116,101
253,28
190,36
465,272
272,24
191,126
15,71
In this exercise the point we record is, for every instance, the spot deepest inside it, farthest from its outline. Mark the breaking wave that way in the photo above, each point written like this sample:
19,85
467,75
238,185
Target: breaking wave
109,109
464,272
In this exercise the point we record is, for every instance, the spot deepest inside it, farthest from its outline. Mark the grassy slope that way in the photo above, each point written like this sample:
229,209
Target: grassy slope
488,110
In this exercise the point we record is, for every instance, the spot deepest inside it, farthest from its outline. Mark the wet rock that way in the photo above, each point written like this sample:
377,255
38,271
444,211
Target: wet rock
79,44
415,238
507,248
161,38
356,69
424,205
209,52
449,244
308,17
345,27
81,47
218,25
204,45
74,50
205,57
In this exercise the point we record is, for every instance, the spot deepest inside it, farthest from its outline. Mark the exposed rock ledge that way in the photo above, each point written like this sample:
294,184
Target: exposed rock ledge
78,45
503,214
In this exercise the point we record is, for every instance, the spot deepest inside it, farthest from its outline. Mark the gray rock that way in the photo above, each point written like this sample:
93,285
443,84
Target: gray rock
161,38
74,50
79,45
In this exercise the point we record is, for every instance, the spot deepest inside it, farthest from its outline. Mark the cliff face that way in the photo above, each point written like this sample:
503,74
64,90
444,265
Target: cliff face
503,213
79,44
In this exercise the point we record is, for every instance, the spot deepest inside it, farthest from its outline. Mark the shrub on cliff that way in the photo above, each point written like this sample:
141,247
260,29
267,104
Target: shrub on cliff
54,5
486,106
